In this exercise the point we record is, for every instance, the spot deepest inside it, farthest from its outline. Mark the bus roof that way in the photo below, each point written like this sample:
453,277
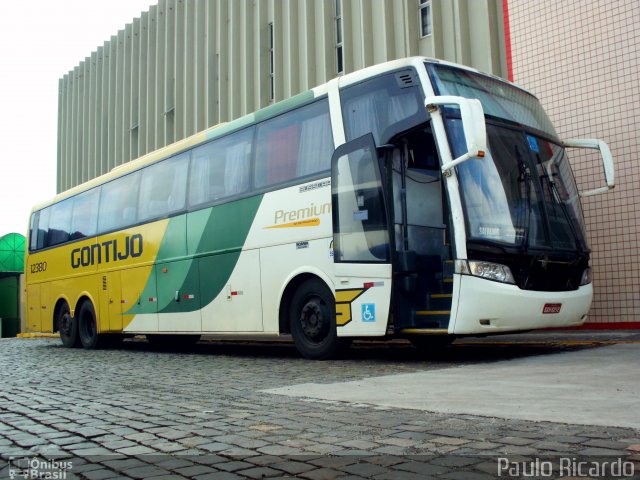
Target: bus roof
250,119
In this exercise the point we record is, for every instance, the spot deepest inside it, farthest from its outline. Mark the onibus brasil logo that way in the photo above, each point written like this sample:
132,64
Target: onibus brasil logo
38,468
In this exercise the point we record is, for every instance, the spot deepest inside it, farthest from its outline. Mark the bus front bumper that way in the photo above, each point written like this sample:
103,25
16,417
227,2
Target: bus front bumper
486,307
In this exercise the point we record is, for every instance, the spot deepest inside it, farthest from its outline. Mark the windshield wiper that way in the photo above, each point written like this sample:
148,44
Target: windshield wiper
563,206
525,176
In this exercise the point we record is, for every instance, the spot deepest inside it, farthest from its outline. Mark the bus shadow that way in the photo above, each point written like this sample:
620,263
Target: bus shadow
461,351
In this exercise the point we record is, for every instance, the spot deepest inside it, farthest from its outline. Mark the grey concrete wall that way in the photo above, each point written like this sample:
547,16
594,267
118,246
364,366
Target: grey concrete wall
186,65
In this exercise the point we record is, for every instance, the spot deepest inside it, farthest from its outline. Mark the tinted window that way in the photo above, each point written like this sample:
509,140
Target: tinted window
60,222
33,231
43,227
163,187
296,144
384,106
499,98
118,203
85,214
221,168
360,219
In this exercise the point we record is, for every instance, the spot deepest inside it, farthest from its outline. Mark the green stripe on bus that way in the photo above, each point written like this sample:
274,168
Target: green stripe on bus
235,218
284,105
262,114
217,251
225,128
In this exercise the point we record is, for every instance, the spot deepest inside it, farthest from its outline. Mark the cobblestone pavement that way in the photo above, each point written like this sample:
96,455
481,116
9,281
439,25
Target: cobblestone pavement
136,412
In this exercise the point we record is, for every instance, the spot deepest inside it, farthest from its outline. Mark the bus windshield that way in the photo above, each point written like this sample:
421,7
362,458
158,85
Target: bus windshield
499,99
523,193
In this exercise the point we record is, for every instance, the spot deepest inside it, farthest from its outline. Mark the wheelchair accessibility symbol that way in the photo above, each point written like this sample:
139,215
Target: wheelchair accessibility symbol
368,312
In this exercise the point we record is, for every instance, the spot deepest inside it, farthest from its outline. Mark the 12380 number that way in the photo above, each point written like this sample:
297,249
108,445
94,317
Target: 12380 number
38,267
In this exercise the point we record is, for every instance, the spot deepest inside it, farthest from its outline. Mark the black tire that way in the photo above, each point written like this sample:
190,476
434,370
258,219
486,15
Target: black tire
68,327
432,343
88,327
312,319
172,341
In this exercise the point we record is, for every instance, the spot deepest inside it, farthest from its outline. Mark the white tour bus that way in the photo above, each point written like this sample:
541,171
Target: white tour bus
414,198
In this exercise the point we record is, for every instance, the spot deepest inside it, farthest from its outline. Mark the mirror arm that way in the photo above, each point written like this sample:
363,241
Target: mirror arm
456,161
595,191
607,162
473,125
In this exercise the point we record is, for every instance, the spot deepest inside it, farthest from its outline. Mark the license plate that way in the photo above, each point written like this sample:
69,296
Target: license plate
552,308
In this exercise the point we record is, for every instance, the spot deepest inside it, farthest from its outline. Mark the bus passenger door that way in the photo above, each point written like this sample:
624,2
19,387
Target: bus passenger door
362,250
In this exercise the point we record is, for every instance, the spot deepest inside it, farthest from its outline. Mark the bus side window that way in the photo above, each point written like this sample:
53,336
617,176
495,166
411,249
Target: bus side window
60,222
316,141
237,165
43,227
294,145
221,168
163,187
84,221
205,183
277,150
118,198
281,153
383,106
33,231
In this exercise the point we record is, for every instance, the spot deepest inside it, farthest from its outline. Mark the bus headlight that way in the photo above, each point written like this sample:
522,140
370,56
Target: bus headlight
488,270
586,277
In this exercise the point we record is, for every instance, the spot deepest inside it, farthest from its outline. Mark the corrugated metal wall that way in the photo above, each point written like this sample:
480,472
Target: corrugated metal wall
188,64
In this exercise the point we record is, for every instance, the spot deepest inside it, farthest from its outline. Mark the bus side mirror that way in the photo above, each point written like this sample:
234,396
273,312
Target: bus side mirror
607,162
473,125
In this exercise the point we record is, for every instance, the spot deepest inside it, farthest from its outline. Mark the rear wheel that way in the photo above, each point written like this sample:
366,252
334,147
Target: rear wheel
312,319
88,327
68,327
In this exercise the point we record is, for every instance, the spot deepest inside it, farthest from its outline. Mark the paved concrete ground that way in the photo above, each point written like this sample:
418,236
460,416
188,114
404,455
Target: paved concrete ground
136,412
592,387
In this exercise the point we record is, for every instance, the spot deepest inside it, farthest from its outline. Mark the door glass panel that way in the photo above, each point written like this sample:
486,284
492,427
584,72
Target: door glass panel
360,222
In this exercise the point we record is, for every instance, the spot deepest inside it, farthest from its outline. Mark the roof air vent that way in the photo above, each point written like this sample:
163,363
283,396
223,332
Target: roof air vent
406,79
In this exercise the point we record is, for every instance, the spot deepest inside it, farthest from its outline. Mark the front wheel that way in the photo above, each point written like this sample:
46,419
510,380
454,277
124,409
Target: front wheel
312,318
68,327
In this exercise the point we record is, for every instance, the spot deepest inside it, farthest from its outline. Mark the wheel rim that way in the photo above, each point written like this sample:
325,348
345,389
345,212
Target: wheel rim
88,325
314,320
66,323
